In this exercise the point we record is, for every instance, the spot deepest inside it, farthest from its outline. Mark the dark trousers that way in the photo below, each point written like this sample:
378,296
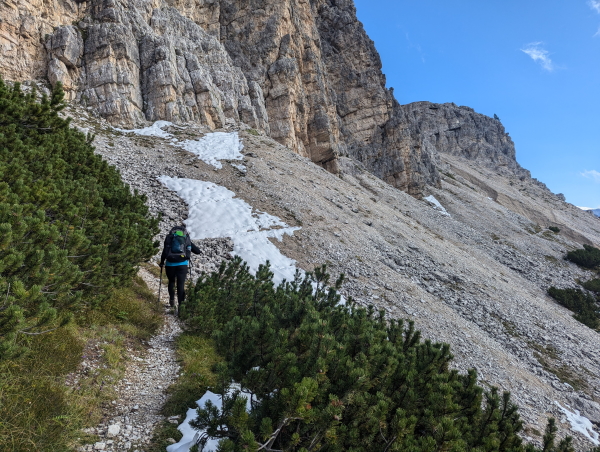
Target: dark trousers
177,274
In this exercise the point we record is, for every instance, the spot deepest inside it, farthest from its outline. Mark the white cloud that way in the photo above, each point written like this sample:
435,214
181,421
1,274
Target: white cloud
539,55
592,174
595,5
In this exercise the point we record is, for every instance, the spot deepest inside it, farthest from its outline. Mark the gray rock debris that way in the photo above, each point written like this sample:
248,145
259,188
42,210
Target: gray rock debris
135,413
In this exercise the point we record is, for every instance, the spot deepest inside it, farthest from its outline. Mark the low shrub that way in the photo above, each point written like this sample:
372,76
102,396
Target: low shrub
554,229
70,229
593,285
588,257
584,306
325,376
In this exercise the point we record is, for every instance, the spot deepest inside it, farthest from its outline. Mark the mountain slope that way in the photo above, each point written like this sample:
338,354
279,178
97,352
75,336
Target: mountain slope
476,279
302,83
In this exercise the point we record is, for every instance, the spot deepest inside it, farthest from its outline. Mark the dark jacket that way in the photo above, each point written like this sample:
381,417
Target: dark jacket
167,246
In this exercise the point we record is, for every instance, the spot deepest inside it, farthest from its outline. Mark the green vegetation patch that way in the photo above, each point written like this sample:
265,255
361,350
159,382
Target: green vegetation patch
72,235
584,306
554,229
70,229
593,285
43,403
325,376
588,257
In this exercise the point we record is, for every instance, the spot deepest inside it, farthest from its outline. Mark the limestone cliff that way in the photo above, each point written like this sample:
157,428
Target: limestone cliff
459,131
304,72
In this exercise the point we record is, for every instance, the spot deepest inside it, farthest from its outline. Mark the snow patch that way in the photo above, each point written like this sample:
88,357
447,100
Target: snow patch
214,147
155,130
191,435
239,166
437,205
215,212
211,148
580,424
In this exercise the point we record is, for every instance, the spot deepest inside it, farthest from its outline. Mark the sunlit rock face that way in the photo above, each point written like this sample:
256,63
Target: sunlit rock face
303,72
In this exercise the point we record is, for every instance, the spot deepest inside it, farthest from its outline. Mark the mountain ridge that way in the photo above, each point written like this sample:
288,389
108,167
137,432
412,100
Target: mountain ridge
304,72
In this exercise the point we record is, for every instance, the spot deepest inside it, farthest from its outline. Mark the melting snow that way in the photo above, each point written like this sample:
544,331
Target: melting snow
215,212
191,435
155,130
239,166
211,148
581,424
214,147
437,205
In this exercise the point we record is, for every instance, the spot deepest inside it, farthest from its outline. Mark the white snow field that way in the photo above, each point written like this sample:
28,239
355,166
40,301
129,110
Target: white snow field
155,130
215,212
581,424
210,148
437,205
214,147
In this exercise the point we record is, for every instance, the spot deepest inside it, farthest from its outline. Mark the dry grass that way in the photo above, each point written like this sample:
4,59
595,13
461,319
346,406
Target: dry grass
38,410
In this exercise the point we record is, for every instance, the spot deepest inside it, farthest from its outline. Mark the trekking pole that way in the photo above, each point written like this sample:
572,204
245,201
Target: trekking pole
160,284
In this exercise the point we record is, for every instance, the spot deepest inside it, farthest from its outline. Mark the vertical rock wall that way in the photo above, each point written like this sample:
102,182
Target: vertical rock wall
143,60
367,111
303,71
277,45
23,26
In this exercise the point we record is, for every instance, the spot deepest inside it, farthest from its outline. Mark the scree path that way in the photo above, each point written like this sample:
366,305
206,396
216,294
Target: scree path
135,412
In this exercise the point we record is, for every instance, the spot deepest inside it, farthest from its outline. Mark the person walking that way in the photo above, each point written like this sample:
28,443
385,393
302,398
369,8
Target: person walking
176,258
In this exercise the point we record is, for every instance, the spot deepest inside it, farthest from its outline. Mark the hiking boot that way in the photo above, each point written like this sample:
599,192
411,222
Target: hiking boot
172,302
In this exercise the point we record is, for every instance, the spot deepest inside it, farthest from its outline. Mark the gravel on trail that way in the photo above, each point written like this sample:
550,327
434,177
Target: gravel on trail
135,412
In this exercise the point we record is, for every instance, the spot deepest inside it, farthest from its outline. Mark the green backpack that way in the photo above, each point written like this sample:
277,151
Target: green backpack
178,245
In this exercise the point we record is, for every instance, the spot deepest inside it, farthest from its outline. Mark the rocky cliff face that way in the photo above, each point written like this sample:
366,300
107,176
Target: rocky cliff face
458,131
304,72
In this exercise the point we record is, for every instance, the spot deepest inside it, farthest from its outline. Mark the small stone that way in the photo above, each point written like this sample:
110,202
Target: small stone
99,446
113,430
171,441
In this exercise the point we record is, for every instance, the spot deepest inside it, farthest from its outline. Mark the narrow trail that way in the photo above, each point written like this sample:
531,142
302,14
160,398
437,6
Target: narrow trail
141,393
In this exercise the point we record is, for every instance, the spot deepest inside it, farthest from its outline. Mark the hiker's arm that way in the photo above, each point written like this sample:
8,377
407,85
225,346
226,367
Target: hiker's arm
195,249
163,256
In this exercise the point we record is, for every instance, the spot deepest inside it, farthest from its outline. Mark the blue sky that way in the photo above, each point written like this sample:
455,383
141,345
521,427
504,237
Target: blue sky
536,64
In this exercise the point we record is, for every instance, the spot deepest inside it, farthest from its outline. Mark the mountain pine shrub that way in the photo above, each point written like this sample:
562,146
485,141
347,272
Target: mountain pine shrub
324,376
588,257
70,229
584,306
593,285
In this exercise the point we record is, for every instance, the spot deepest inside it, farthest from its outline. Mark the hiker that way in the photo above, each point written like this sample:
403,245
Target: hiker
176,253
